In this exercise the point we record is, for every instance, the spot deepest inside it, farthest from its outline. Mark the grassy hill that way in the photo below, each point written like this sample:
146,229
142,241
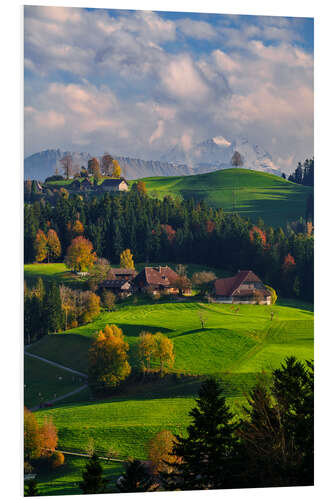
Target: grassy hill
250,193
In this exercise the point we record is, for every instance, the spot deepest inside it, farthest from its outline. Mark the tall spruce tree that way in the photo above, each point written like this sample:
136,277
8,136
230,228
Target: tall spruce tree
92,475
136,478
206,457
52,312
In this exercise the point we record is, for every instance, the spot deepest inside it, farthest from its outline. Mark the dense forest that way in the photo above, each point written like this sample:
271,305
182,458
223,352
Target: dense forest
178,232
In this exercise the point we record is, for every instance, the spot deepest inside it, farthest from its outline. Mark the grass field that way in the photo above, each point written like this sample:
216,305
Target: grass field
65,480
252,193
44,382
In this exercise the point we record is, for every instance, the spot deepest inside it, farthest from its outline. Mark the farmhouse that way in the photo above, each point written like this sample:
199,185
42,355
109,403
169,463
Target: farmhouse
76,185
245,287
156,279
122,273
121,287
114,185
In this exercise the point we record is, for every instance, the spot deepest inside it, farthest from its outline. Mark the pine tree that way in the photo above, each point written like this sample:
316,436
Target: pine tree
52,312
206,457
136,478
93,481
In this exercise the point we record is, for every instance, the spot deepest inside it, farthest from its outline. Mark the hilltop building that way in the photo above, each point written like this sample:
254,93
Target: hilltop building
156,279
243,288
114,185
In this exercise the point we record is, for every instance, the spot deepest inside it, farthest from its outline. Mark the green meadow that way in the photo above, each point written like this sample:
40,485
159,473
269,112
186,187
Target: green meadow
250,193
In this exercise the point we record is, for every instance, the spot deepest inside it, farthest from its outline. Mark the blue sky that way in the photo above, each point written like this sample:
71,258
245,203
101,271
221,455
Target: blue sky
138,83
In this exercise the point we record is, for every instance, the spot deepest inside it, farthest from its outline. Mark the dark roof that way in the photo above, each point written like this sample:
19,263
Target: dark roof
114,283
229,286
113,182
157,276
119,271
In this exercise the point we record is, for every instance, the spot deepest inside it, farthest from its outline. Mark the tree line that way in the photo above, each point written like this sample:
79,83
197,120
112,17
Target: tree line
176,231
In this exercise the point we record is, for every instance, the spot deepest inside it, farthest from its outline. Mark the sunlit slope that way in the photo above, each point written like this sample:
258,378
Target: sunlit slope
250,193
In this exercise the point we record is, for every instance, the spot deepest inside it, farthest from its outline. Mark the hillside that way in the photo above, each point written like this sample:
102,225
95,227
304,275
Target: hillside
250,193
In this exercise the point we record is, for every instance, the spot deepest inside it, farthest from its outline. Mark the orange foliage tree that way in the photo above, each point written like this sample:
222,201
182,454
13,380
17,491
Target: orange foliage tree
53,245
41,246
108,360
32,437
160,448
289,262
169,230
262,235
49,436
80,254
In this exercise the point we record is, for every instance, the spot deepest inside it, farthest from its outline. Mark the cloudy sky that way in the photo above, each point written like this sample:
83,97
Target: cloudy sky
137,83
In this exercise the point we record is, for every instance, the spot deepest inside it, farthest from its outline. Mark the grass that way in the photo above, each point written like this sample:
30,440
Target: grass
65,479
44,382
54,272
253,194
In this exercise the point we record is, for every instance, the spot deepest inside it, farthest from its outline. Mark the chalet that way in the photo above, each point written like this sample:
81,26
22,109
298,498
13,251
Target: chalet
121,273
121,287
114,185
156,279
243,288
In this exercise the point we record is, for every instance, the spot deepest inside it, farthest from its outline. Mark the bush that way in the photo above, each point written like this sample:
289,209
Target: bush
57,459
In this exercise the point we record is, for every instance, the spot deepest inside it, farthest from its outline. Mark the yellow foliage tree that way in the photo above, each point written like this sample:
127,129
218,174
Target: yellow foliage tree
160,447
53,245
146,349
41,246
126,259
116,169
163,351
108,361
80,254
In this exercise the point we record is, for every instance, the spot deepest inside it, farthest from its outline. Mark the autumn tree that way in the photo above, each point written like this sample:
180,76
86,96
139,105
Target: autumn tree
41,246
92,307
80,254
109,299
93,166
53,245
76,229
92,477
116,172
236,160
203,281
49,436
146,349
140,187
108,360
67,164
160,448
163,351
33,442
126,259
98,273
107,164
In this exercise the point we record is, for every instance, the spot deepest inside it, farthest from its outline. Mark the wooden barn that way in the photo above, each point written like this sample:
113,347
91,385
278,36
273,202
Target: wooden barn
243,288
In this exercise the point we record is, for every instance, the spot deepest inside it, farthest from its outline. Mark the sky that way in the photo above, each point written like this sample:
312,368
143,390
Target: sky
138,83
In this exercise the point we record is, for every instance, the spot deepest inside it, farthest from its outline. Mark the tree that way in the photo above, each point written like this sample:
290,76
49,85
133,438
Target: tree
53,245
140,187
116,169
92,307
160,447
92,475
163,351
41,246
277,429
93,167
107,164
67,164
206,457
49,436
108,363
77,229
32,438
126,259
136,478
80,254
146,349
203,281
52,312
236,160
31,489
98,273
109,299
182,282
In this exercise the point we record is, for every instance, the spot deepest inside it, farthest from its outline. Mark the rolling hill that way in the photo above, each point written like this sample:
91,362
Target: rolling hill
249,193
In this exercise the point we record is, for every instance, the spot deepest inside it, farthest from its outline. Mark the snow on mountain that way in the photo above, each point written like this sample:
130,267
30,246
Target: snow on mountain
216,153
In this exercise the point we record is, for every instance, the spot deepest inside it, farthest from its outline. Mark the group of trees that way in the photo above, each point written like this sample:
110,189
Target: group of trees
199,235
107,166
51,308
304,173
270,444
108,357
47,246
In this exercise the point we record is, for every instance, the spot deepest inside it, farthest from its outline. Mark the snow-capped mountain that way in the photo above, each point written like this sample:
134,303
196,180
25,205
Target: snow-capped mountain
216,153
44,164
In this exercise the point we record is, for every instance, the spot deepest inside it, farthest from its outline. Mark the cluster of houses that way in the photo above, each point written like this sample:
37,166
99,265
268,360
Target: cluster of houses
245,287
107,185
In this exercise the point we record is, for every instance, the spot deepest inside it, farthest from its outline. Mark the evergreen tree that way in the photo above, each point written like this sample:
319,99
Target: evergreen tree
207,456
52,311
93,481
136,478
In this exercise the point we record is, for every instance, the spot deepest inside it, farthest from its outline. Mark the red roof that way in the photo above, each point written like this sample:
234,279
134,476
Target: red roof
157,276
227,287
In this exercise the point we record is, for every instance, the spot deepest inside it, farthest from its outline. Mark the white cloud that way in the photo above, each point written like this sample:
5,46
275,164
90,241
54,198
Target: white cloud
197,29
158,132
182,80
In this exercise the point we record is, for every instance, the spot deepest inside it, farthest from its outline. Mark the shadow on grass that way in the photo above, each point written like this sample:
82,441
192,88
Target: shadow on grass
306,306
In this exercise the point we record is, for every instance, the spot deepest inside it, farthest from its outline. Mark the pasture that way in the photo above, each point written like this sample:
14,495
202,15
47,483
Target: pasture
250,193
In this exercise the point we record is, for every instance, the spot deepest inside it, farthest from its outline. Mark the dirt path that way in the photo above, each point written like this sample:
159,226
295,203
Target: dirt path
59,398
55,364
